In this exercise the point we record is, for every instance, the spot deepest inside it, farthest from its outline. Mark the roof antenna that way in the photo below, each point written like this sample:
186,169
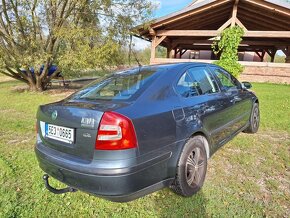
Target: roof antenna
136,59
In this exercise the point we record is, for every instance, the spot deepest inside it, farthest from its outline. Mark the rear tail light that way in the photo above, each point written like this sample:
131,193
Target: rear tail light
116,132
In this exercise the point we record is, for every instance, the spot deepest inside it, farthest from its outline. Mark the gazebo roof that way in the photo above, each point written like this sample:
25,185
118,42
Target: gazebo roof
266,24
265,15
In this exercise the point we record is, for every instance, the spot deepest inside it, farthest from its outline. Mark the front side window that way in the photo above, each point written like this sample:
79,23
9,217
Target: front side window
225,79
119,86
204,81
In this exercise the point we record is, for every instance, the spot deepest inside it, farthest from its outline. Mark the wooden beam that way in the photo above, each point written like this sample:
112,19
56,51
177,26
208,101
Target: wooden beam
270,7
213,33
225,25
191,13
260,21
252,13
205,23
262,55
160,40
268,34
235,12
152,32
271,52
246,42
187,33
241,48
199,19
240,24
175,52
183,52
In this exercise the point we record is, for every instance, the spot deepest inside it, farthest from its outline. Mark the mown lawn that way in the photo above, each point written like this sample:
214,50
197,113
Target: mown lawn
249,177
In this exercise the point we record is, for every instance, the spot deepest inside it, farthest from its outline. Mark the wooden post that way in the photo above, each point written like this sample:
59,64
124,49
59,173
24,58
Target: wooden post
272,53
182,52
287,53
171,54
262,55
169,51
153,49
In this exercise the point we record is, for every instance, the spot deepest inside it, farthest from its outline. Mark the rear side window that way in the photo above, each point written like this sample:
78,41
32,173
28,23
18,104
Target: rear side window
203,80
119,86
186,86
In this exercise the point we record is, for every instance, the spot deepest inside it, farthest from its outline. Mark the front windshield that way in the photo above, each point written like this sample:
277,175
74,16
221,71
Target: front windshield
119,86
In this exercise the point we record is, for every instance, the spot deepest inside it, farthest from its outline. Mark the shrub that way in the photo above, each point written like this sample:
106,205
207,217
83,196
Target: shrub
228,45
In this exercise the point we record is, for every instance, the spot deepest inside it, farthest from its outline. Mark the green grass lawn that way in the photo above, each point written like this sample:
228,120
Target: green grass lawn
249,177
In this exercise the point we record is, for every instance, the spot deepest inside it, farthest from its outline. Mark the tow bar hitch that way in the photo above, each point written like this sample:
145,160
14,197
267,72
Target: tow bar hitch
54,190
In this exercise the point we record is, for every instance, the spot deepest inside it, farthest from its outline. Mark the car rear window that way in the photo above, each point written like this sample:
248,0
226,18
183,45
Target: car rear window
119,86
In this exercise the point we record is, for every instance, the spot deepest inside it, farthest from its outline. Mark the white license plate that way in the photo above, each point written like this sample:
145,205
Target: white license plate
59,133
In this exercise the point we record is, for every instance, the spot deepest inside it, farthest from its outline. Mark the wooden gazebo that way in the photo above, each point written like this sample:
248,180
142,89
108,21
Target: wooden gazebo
266,24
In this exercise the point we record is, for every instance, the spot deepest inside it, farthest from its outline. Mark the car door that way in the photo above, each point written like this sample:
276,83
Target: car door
240,104
203,103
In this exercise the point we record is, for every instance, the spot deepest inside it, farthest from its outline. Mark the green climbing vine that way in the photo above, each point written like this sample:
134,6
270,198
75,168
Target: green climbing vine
227,46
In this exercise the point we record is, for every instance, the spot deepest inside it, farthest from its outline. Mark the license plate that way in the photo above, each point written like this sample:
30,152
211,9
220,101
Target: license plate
59,133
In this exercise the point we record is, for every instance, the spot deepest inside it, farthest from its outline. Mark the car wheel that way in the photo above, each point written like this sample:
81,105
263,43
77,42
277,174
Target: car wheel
191,168
255,120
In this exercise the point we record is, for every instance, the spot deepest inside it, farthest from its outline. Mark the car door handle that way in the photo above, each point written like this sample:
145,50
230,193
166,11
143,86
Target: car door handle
236,99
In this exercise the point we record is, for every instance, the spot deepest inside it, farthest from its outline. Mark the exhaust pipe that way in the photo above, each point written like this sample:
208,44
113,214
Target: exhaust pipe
54,190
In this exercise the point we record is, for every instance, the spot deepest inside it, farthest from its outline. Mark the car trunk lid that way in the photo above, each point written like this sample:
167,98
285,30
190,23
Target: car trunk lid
82,118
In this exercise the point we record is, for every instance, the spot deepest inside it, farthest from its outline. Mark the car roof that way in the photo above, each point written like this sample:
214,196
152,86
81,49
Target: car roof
162,68
170,66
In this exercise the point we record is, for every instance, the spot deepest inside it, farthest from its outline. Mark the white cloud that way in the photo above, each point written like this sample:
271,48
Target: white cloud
158,4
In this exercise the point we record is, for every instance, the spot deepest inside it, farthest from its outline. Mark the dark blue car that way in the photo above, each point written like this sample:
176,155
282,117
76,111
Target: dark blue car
137,131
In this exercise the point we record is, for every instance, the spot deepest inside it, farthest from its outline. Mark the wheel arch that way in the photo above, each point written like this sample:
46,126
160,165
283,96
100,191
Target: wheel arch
205,141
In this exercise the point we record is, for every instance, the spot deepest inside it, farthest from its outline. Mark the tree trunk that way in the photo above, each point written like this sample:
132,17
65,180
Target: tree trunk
37,85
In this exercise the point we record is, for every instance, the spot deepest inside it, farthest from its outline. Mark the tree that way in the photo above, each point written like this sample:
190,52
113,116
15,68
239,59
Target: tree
144,55
72,34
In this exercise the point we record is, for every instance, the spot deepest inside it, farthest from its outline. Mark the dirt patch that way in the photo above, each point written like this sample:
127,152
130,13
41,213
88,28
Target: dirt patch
60,91
54,91
273,136
20,89
5,78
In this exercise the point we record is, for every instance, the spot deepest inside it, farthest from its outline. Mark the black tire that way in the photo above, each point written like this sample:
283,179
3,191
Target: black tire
254,120
191,167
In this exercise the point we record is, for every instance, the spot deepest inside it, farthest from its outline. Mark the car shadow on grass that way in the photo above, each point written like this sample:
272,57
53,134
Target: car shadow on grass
169,204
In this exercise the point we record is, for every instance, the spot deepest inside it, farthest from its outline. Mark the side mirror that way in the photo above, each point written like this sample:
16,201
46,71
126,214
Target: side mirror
246,85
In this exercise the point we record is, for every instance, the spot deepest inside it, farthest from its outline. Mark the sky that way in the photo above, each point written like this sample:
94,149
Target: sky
164,7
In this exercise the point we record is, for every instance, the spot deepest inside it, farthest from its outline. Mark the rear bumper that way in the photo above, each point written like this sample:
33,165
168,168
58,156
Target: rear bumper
115,184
